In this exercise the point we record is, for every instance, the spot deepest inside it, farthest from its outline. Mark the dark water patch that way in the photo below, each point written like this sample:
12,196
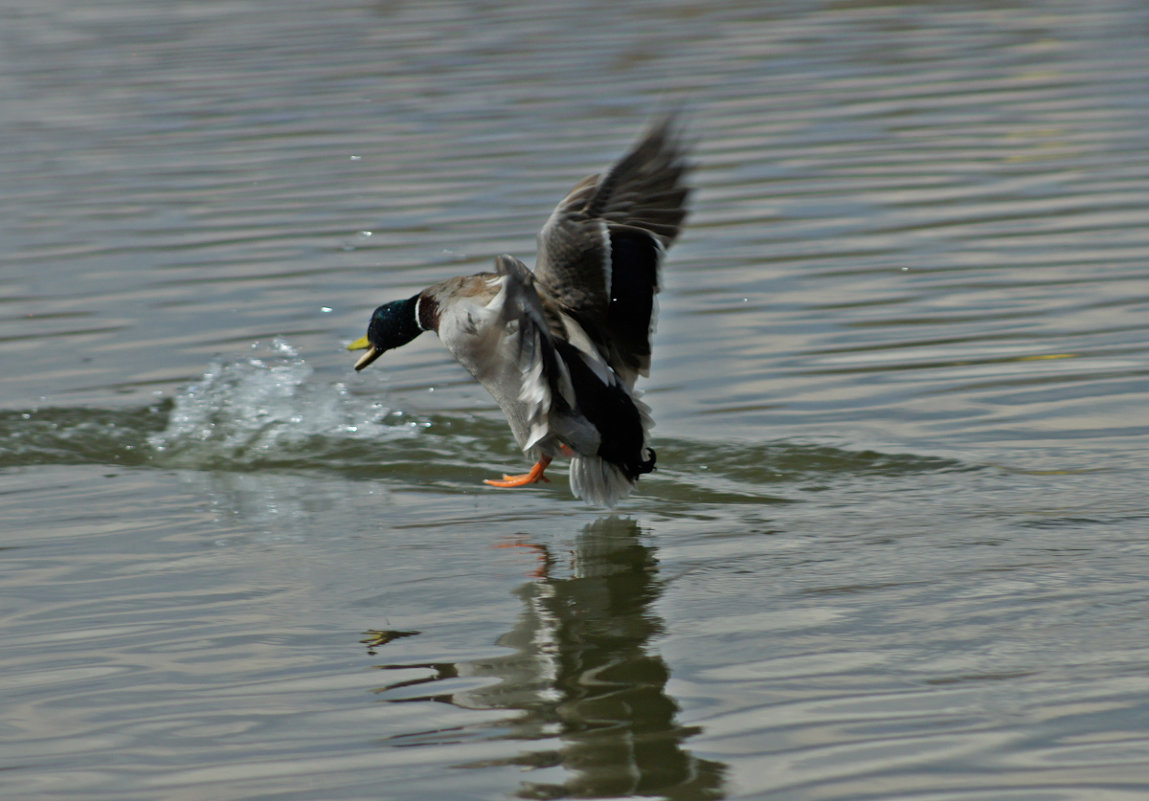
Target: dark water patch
268,411
793,461
80,435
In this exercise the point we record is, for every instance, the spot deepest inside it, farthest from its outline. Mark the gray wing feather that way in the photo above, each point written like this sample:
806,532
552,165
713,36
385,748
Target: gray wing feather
542,373
603,245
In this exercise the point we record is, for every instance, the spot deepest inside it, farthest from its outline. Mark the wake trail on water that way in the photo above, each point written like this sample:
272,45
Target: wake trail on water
267,410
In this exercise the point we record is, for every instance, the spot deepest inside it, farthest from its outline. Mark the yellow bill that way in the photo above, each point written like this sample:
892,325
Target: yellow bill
371,355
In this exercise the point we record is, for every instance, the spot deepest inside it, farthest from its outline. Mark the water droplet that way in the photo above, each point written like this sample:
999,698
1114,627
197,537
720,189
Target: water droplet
326,309
356,158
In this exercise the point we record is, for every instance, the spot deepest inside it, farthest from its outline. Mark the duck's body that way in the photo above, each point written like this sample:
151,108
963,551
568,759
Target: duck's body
560,349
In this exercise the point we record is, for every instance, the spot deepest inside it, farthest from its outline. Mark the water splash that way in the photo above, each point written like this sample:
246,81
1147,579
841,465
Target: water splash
266,409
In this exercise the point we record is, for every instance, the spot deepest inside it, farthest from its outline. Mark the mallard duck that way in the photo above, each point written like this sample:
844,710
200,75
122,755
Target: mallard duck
560,349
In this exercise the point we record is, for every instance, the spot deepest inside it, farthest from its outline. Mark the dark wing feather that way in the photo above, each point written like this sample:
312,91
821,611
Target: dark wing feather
566,394
600,250
631,312
573,260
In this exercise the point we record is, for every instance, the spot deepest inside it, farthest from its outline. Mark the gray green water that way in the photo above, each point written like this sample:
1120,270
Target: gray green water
897,546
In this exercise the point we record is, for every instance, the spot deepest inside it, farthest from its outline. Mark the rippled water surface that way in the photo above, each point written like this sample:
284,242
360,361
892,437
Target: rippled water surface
898,542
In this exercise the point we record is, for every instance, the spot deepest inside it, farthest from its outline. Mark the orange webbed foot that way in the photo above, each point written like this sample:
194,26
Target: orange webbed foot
533,477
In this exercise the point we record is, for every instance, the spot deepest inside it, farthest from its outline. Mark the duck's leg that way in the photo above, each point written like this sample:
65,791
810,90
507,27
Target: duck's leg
533,477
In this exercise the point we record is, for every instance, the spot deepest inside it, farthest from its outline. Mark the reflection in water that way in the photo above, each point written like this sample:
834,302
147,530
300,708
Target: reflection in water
583,679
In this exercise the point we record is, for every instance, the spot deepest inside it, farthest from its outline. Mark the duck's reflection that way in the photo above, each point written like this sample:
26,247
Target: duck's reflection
582,675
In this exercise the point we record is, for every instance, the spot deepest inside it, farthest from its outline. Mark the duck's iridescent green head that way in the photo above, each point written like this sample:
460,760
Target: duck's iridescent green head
392,324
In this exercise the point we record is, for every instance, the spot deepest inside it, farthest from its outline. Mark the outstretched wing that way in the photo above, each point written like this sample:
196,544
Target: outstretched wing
600,251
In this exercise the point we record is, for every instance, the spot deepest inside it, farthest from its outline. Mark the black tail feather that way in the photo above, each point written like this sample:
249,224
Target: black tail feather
612,411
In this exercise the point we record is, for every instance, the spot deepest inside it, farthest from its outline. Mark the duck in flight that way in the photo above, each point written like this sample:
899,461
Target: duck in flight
560,348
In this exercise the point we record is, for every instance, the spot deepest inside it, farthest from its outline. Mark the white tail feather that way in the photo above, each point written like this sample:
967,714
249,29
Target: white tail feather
598,481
